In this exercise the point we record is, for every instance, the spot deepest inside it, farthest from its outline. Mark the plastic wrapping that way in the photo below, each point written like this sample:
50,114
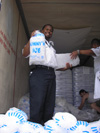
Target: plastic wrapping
64,85
24,104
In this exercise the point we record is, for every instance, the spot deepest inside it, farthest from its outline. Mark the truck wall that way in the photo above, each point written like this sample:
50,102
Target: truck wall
13,66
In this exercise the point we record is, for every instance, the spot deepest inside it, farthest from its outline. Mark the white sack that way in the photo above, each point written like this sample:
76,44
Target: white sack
37,48
52,127
64,58
31,127
18,114
65,120
95,126
9,124
81,127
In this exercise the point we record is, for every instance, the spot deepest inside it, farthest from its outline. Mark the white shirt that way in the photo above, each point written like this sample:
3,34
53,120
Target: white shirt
96,58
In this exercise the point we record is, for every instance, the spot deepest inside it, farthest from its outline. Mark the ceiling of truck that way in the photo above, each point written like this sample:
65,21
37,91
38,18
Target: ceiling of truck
64,15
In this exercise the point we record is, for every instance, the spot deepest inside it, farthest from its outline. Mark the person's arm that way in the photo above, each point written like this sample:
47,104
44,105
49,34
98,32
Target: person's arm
26,49
83,101
68,66
74,54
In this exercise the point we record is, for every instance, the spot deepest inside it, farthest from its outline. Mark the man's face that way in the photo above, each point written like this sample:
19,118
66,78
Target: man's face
47,31
82,94
94,45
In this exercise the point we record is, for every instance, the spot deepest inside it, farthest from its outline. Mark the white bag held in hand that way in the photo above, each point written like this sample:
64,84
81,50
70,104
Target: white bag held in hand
62,59
37,48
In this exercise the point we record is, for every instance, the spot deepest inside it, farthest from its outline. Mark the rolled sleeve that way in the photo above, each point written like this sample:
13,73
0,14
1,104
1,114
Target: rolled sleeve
96,51
22,53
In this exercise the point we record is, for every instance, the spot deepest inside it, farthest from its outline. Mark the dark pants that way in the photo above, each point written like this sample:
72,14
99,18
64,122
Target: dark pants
42,94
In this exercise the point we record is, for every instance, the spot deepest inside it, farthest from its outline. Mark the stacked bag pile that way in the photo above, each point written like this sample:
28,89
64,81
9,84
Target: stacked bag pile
16,121
83,78
63,89
64,85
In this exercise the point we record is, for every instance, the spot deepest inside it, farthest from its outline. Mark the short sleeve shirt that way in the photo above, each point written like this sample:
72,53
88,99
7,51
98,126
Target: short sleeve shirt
96,58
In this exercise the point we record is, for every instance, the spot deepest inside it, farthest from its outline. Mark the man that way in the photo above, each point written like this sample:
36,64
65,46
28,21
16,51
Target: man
42,81
95,104
95,52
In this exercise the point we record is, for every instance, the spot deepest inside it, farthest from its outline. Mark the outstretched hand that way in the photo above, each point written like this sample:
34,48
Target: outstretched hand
74,54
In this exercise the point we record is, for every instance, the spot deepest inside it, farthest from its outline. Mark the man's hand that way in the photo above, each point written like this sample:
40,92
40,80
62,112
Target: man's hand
33,33
26,49
66,67
74,54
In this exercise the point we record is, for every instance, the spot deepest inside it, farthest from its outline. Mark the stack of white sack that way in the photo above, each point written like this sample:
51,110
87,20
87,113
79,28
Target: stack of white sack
61,123
64,85
10,122
62,105
15,121
67,123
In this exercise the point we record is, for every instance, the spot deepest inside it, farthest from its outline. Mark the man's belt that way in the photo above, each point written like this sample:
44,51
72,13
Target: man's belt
32,67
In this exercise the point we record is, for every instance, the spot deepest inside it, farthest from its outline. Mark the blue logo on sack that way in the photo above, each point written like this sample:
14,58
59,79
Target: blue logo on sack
36,56
78,124
95,130
37,43
39,34
4,125
36,50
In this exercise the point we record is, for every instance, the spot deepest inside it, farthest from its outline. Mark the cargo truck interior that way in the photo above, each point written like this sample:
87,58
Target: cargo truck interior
76,23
